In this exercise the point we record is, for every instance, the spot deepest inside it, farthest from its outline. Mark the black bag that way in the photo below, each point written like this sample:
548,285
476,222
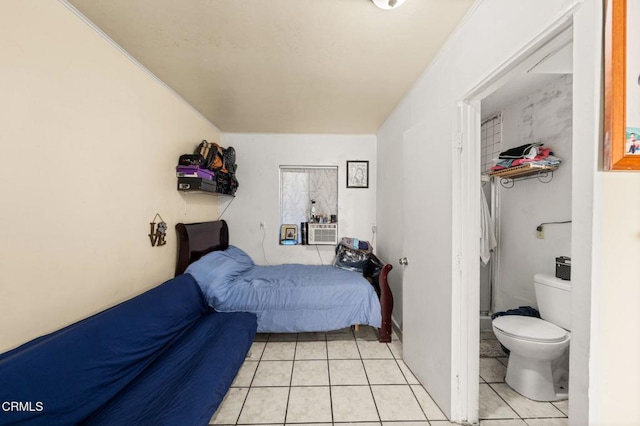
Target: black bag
191,160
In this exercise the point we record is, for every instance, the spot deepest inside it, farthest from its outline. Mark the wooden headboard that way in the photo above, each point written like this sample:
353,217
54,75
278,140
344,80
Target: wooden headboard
197,239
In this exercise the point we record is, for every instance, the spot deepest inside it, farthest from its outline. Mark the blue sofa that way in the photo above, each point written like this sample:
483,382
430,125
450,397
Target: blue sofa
161,358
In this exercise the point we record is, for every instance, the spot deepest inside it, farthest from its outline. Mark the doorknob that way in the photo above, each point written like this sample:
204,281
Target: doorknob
403,261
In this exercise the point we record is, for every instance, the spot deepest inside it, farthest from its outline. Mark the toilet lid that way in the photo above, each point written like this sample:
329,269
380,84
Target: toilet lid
530,328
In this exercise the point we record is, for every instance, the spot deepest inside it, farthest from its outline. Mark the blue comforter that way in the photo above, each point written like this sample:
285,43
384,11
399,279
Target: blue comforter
286,298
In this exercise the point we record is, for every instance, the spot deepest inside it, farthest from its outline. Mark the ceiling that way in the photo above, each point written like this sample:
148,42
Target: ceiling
282,66
550,68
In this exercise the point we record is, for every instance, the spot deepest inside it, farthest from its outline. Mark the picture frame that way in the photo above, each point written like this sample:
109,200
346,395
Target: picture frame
289,232
358,174
621,86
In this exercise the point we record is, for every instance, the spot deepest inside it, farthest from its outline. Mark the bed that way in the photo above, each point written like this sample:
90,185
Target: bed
286,298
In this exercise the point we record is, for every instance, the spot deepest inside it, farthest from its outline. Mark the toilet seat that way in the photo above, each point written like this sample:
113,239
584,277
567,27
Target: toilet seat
530,328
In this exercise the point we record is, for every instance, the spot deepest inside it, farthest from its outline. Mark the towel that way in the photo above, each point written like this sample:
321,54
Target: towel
487,231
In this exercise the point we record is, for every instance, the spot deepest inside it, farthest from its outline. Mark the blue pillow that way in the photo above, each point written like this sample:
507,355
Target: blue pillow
215,271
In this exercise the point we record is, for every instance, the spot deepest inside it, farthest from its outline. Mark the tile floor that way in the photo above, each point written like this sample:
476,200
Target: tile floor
346,377
502,406
323,379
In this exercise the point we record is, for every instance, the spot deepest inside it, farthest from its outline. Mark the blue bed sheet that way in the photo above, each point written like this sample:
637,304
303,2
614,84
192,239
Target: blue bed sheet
286,298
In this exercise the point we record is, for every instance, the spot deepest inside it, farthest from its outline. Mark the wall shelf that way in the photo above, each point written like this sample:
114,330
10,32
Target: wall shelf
525,171
199,186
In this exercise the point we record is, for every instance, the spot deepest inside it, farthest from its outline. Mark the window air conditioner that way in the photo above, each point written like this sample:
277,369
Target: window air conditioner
323,233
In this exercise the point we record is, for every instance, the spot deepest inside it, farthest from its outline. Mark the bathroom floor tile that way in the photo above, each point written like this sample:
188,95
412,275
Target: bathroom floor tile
491,406
309,404
384,372
397,402
562,406
353,404
492,370
273,373
310,373
526,408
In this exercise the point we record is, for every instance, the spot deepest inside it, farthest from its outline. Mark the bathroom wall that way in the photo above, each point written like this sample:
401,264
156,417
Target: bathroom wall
543,116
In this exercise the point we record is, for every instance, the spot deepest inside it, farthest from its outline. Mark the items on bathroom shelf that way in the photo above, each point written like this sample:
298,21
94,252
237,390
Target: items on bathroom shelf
524,162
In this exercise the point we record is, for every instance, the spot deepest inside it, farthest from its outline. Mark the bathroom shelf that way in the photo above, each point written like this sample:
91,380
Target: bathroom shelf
522,172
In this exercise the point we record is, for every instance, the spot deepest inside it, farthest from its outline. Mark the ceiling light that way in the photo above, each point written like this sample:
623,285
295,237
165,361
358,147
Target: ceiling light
388,4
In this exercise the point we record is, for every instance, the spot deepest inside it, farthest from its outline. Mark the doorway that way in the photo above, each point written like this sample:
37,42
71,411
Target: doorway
518,82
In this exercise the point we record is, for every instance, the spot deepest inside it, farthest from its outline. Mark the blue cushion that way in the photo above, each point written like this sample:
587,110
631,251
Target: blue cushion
76,370
185,385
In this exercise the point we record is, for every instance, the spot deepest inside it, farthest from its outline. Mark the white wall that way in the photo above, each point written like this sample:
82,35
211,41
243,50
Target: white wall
259,157
495,32
89,144
543,116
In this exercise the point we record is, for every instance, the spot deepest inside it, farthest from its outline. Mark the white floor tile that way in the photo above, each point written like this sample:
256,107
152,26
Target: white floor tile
429,407
526,408
311,350
245,374
353,404
374,350
384,372
491,406
347,372
562,406
310,373
397,402
273,373
255,352
425,423
492,370
264,405
396,348
411,379
279,351
309,404
229,410
504,422
547,422
343,349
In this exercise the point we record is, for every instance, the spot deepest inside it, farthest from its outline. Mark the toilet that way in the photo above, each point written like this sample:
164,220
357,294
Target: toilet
539,360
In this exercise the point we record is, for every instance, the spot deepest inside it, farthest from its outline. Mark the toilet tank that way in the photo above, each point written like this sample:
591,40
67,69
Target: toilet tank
554,299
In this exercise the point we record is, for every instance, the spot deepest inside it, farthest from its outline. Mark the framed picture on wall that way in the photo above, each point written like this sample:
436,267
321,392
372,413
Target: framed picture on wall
622,86
357,174
288,233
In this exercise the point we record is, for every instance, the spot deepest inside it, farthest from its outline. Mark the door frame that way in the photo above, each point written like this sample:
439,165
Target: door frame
465,349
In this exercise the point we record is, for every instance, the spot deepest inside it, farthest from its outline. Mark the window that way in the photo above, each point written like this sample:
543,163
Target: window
305,187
